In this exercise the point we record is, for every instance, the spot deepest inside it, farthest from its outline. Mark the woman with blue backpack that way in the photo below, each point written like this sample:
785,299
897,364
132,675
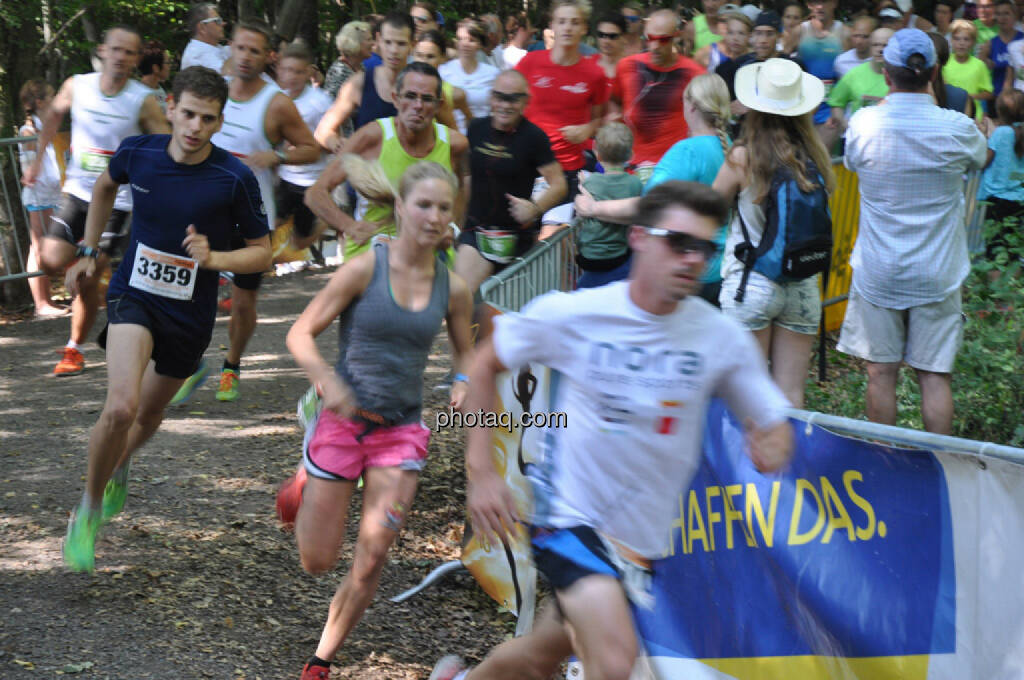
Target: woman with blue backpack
780,238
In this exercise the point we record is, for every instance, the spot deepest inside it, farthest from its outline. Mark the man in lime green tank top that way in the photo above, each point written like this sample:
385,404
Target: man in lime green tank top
703,25
395,143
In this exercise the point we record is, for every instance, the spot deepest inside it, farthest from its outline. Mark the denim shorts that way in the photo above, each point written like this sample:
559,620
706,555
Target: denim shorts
795,306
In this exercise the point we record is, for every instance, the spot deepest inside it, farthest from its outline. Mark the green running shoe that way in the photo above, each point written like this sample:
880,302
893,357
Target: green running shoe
191,384
309,407
228,389
80,540
114,496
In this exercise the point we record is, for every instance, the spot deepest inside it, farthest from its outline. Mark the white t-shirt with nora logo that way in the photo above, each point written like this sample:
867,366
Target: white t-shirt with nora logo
635,388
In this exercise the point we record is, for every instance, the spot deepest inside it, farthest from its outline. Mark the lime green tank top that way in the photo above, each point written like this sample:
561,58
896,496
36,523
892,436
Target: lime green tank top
702,35
394,160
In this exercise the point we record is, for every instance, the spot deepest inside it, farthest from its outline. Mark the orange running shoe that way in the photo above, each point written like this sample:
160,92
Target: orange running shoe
71,363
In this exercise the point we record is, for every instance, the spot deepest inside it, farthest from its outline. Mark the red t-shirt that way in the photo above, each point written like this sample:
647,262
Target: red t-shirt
560,96
652,102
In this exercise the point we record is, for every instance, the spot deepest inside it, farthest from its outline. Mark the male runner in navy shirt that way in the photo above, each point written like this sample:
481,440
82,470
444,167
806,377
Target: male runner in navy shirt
161,304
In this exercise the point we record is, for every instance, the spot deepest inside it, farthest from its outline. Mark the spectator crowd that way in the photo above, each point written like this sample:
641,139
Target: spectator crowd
571,120
470,143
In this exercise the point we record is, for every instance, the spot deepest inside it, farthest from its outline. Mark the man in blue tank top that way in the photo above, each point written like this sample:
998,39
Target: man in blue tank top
367,95
161,303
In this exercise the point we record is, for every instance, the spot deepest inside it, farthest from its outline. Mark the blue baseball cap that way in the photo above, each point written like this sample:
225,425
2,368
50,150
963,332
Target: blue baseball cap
906,42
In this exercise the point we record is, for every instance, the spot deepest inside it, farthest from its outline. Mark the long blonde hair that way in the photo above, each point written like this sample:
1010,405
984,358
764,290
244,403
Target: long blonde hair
772,141
370,180
710,95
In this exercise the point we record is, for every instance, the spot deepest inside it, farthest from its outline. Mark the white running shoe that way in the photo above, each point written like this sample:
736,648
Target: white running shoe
448,668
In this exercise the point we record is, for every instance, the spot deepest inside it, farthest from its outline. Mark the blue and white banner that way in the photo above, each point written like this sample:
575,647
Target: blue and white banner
858,561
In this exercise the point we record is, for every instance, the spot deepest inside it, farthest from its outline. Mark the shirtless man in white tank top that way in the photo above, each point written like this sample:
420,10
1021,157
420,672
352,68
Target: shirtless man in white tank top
105,108
258,121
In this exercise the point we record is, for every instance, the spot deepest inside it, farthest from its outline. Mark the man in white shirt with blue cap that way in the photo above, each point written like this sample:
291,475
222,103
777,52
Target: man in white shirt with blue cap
910,258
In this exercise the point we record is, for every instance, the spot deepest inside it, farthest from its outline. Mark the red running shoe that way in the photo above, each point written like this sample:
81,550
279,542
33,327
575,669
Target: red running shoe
289,498
314,672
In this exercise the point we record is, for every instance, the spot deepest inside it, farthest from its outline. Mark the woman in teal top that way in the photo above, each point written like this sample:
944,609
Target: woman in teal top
694,159
1002,183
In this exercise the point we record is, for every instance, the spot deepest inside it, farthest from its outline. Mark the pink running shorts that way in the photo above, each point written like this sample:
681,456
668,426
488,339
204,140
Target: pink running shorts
334,453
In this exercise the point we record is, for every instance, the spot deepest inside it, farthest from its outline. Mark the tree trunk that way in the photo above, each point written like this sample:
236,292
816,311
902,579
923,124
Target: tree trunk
309,29
289,18
92,35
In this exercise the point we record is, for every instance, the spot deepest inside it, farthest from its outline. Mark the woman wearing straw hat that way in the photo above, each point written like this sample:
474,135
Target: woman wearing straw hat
778,131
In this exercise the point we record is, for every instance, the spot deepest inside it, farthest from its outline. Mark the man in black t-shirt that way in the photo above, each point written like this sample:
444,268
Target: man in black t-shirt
507,152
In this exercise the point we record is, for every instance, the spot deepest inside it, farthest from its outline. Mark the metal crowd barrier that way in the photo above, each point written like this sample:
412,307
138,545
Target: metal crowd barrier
13,261
550,265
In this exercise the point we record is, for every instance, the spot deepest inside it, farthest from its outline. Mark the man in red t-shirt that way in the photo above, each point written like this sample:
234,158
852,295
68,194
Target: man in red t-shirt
649,87
567,92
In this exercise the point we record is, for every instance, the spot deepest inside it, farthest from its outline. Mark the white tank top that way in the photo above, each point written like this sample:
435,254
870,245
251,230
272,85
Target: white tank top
98,125
244,133
48,182
312,105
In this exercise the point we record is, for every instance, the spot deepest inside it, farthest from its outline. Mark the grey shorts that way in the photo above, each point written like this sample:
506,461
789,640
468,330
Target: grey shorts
795,306
925,337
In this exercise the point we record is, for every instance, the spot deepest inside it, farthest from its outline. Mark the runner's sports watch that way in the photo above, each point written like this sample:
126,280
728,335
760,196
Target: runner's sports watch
87,251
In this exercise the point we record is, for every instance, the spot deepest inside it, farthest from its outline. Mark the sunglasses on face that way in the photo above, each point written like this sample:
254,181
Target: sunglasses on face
510,97
419,19
609,36
212,20
663,39
630,18
682,243
427,99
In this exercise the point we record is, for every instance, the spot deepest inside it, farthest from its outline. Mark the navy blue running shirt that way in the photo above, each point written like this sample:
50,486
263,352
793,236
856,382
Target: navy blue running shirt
218,196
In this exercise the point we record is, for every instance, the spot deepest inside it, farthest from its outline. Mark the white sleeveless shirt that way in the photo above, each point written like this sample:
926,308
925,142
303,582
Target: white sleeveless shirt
312,105
98,125
243,133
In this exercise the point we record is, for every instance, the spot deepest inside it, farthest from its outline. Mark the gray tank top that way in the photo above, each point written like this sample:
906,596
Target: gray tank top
383,348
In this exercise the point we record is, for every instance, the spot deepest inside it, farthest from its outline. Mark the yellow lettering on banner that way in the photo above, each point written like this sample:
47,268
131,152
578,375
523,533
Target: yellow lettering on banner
795,537
849,477
838,518
753,508
712,515
734,515
678,523
694,534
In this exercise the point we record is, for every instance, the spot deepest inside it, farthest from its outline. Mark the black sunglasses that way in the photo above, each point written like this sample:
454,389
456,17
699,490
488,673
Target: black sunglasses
609,36
682,243
510,97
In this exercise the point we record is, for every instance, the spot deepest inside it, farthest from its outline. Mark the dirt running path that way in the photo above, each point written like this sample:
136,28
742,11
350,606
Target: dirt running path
195,579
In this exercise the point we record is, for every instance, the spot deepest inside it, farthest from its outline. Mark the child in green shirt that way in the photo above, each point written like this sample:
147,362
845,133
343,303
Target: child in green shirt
967,71
603,247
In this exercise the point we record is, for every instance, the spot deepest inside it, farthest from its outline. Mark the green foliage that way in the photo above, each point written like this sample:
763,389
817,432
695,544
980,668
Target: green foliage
988,386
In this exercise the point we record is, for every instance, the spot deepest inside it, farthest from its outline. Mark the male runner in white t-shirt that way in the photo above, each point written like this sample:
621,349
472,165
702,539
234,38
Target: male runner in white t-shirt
634,365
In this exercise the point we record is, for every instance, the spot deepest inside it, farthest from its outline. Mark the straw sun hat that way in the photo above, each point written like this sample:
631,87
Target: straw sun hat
778,86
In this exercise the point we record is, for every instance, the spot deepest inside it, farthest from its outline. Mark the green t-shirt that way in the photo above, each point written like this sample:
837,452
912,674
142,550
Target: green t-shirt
599,240
972,75
985,33
702,33
861,86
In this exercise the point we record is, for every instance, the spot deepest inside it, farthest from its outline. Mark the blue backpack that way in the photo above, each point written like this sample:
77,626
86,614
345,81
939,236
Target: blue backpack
797,239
